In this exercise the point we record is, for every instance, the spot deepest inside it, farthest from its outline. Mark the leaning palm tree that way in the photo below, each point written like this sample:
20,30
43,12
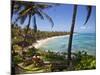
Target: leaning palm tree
89,9
30,10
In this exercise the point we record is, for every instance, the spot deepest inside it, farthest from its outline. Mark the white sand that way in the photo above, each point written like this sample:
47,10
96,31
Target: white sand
39,43
43,41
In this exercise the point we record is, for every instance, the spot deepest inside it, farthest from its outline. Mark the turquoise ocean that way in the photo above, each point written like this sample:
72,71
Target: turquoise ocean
81,42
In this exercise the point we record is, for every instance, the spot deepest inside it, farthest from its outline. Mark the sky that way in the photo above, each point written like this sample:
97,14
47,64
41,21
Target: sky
62,17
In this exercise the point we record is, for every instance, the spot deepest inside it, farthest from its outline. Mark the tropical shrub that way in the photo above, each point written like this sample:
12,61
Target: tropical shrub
84,61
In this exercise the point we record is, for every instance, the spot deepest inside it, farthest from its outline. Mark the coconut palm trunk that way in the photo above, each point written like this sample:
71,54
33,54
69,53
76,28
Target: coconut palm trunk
35,28
26,32
71,34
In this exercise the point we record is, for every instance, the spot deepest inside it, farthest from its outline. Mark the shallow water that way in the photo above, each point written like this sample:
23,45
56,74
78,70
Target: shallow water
81,41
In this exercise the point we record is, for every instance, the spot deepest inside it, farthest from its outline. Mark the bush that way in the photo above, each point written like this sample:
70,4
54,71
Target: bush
51,56
84,61
31,52
17,48
17,59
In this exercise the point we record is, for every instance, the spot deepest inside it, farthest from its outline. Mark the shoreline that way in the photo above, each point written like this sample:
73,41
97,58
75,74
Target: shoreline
39,43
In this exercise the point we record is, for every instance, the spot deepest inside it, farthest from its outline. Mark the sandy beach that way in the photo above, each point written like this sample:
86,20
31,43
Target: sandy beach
39,43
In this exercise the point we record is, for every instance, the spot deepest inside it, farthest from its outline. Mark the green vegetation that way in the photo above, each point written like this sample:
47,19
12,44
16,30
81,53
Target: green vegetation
32,60
85,61
51,56
51,62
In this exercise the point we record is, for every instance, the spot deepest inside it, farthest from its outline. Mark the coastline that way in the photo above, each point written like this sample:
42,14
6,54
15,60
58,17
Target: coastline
39,43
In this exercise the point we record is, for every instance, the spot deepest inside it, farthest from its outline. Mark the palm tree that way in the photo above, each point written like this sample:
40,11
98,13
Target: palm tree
30,10
89,8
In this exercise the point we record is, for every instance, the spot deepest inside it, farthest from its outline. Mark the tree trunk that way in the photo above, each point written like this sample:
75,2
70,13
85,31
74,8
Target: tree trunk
25,35
35,29
71,34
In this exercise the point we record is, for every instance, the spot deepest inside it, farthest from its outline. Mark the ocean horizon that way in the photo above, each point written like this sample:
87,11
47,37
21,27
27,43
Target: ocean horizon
81,42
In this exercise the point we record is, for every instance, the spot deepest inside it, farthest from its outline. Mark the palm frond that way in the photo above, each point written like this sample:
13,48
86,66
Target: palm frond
89,10
47,5
15,6
43,6
17,19
28,23
22,19
39,15
25,11
48,17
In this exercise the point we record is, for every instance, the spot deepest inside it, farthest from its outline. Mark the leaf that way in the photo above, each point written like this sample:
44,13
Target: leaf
89,10
43,6
48,17
23,18
15,6
17,19
40,15
25,11
28,23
